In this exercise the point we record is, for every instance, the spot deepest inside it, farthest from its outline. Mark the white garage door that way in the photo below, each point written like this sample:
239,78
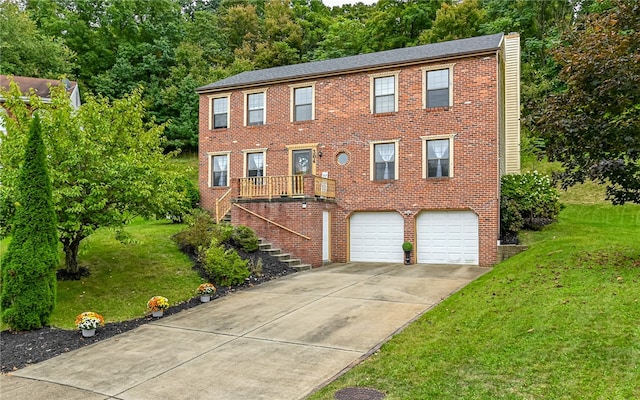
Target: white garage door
376,236
447,237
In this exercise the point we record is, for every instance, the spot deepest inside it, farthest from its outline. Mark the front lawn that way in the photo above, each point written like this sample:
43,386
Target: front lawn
560,321
125,276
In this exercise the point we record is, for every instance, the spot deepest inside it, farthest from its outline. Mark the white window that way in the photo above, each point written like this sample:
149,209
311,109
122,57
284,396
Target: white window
219,111
438,86
255,106
438,156
384,92
383,160
219,169
385,96
303,103
255,164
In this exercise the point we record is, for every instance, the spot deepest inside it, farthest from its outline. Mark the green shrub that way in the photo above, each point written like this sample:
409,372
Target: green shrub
224,266
29,266
7,210
197,236
527,201
245,238
192,193
191,201
510,217
223,232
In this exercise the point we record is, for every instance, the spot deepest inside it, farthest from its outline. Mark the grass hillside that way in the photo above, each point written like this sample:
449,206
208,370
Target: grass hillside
559,321
124,276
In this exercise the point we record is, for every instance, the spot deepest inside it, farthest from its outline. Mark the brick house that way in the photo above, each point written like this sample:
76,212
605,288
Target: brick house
345,159
41,87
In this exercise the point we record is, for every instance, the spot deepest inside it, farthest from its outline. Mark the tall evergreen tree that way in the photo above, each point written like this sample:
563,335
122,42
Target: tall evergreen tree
29,266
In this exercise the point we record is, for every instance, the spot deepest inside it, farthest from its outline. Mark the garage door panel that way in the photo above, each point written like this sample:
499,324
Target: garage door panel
376,237
447,237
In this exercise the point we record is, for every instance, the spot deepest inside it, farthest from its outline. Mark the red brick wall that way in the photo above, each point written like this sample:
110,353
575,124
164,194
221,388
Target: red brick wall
303,236
344,123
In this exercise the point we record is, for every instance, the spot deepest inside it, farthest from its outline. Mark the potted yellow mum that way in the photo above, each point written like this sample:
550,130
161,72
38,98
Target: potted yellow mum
157,305
206,290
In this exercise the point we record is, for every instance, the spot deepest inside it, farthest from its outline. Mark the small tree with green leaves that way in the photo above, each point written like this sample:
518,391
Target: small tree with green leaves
29,267
106,163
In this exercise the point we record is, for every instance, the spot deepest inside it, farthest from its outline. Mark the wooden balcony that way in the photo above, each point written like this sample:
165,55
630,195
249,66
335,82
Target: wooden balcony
269,187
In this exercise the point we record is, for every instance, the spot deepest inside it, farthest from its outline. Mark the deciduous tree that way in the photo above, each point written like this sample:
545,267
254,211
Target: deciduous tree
25,51
593,126
106,163
459,21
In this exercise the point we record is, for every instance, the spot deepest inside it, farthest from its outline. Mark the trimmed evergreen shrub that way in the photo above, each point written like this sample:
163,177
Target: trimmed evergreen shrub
527,201
29,266
245,238
224,266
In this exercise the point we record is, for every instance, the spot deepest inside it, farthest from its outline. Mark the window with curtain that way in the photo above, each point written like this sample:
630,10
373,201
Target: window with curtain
255,164
385,161
438,158
220,112
438,88
303,104
255,109
384,94
220,170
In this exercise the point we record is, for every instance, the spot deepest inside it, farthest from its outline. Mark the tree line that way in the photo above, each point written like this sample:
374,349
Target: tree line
170,47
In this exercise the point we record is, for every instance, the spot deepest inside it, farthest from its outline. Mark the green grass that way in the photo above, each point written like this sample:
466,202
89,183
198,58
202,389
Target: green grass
188,164
584,193
125,276
559,321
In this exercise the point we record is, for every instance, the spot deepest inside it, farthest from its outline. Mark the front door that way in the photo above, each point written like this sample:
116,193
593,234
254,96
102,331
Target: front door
301,165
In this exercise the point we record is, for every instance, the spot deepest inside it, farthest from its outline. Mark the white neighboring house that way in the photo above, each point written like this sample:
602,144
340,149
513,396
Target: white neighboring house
42,87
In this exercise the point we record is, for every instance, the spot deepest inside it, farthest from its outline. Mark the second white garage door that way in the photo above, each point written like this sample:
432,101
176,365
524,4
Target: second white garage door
447,237
376,236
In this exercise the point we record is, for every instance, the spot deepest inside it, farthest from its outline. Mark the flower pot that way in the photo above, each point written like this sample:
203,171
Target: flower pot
205,298
407,258
88,332
157,314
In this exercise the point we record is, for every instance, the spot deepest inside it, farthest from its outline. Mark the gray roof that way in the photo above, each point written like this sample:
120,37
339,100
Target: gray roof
363,61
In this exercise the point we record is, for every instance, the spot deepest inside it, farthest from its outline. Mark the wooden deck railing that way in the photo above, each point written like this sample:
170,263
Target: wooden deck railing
325,187
285,186
223,205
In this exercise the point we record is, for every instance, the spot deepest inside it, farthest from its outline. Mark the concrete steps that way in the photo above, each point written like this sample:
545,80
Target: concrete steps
286,258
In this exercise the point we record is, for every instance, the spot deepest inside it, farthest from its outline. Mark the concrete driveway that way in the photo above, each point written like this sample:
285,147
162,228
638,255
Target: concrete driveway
280,340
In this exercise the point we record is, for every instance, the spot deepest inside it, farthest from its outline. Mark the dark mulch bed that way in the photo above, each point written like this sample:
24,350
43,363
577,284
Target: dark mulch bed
19,349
